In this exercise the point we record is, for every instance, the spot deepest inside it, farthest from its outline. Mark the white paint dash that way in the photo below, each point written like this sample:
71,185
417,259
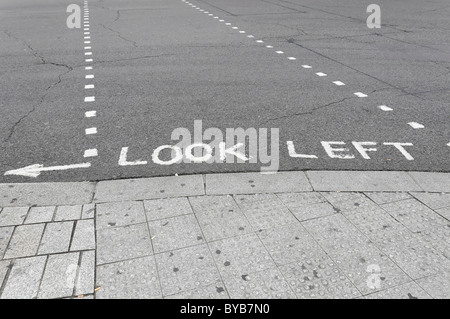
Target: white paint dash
91,152
91,130
339,83
292,58
360,94
321,74
89,86
306,66
385,108
416,125
90,114
89,76
89,99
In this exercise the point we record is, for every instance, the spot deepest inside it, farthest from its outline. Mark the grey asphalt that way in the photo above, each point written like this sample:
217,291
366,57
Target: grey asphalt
160,65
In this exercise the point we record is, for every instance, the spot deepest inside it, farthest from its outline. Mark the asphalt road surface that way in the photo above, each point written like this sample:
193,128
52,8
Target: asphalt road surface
102,101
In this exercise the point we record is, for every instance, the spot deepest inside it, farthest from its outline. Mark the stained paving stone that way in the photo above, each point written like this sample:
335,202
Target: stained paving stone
10,216
313,211
85,281
213,291
176,232
84,235
333,229
438,285
264,210
242,254
290,243
410,290
59,276
434,200
318,278
438,238
64,213
369,269
293,200
185,269
265,284
387,197
88,211
119,214
40,214
24,279
348,201
219,217
121,243
167,207
5,236
129,279
25,241
414,215
56,238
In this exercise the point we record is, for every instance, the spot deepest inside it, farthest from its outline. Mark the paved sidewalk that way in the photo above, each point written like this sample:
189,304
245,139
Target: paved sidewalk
288,235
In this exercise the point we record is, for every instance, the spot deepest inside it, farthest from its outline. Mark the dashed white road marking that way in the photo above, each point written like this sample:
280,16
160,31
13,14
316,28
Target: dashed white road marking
88,67
89,99
385,108
305,66
416,125
89,86
339,83
260,41
89,76
250,36
279,52
292,58
321,74
88,60
360,94
91,130
269,46
87,53
90,114
91,152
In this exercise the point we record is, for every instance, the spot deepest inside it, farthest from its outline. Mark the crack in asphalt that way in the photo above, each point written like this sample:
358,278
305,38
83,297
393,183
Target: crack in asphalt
36,54
119,35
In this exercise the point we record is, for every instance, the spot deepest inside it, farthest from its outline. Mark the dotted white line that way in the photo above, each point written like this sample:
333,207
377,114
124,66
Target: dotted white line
339,83
306,66
321,74
90,114
416,125
89,99
91,130
385,108
360,94
89,76
91,152
89,86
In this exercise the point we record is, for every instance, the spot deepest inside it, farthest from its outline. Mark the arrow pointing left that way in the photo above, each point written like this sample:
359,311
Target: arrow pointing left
36,169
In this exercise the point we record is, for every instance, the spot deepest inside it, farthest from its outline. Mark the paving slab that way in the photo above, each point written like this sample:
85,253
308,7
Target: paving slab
46,194
84,235
119,214
149,188
40,214
253,183
409,290
128,279
56,238
13,215
213,291
24,241
432,182
167,207
354,181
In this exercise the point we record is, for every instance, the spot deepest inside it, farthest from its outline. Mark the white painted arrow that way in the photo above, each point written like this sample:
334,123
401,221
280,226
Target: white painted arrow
36,169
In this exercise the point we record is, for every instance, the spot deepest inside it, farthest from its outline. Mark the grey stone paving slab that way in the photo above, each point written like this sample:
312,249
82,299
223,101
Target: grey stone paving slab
4,264
387,197
68,213
88,211
46,194
84,235
265,284
432,182
410,290
175,232
330,230
129,279
219,217
167,207
434,200
149,188
313,211
294,200
5,236
264,210
252,183
85,281
213,291
119,214
59,276
56,238
348,201
414,215
369,269
290,243
444,212
437,286
10,216
120,243
438,238
25,241
185,269
241,255
358,181
318,278
24,279
40,214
